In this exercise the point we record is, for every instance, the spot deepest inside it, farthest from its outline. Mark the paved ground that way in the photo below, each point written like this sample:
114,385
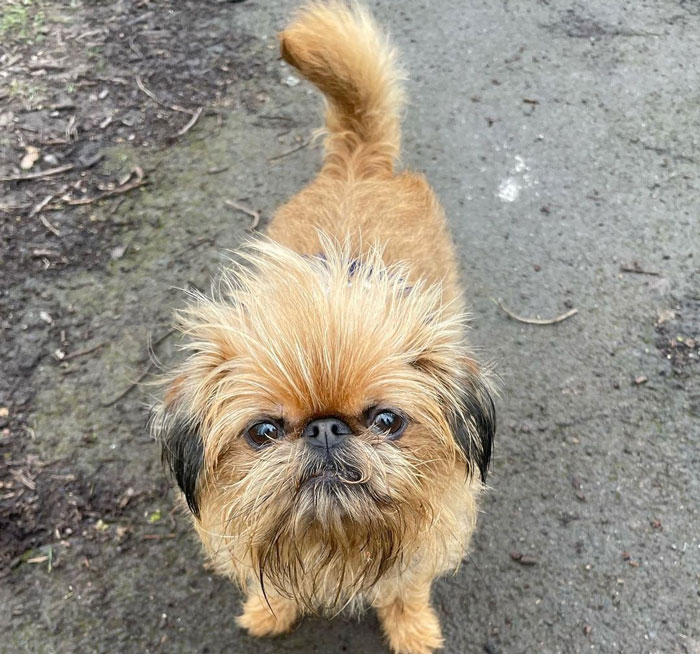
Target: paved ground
563,140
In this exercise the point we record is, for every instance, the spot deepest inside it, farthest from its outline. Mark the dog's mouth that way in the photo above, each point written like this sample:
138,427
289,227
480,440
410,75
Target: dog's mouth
331,476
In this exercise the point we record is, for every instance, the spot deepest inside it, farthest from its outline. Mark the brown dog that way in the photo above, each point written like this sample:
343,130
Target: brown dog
331,429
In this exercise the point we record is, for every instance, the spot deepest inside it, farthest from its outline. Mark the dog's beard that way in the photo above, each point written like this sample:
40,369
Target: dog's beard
323,530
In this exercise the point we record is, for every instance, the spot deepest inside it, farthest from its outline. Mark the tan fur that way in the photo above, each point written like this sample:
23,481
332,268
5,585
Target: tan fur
294,335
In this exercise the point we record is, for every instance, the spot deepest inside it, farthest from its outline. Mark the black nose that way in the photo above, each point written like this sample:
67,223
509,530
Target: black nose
326,433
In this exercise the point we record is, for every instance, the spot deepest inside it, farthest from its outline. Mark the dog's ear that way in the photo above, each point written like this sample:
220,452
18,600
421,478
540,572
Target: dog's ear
182,451
473,424
469,406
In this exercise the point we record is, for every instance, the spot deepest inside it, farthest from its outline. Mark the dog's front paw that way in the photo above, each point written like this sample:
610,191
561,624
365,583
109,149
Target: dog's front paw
262,619
415,631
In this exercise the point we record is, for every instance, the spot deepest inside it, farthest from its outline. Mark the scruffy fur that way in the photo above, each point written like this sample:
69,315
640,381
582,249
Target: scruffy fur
351,301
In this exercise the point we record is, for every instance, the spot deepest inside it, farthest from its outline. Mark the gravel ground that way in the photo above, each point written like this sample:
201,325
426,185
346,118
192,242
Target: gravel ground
563,141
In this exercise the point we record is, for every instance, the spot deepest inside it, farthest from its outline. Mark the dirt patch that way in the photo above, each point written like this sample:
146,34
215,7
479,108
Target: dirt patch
79,80
678,334
43,503
133,73
576,24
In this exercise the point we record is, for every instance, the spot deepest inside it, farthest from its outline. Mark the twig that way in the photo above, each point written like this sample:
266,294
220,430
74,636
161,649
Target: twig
49,226
116,206
157,536
144,374
637,270
194,246
12,61
139,181
37,208
191,122
45,253
132,45
63,106
301,146
271,117
534,321
255,215
79,353
8,208
39,174
216,171
114,80
55,141
52,171
21,477
38,559
85,35
155,98
131,386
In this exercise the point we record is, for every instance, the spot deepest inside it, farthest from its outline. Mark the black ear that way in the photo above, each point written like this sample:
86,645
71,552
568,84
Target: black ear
474,425
183,452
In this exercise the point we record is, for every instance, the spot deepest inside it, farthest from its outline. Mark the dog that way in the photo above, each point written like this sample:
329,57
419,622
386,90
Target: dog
330,427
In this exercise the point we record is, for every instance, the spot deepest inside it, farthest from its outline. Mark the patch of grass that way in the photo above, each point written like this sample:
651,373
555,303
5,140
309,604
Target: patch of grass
22,19
23,90
13,17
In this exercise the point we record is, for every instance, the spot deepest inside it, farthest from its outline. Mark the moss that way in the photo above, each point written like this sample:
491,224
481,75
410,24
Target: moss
22,20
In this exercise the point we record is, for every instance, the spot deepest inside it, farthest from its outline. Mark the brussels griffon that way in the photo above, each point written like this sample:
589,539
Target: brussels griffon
330,428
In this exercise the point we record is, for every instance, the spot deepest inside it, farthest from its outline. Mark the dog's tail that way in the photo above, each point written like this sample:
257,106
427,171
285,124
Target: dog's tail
342,51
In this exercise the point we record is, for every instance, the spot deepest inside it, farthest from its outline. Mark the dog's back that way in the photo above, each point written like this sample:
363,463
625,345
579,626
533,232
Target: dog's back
357,197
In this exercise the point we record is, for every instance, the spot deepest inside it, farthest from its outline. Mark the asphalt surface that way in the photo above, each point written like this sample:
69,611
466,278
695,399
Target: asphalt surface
563,140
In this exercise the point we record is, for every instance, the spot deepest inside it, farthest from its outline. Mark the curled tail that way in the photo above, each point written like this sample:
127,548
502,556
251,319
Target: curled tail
341,50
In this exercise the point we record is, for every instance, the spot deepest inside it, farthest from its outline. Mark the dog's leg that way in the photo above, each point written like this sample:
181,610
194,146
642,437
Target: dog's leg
409,622
268,617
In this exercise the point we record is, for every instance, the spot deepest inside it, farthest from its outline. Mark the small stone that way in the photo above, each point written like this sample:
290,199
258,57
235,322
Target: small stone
30,157
118,252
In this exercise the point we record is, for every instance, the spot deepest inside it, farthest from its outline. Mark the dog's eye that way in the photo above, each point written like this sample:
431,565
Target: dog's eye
389,423
263,433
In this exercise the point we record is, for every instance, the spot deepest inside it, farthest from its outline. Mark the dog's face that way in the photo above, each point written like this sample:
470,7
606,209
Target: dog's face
325,409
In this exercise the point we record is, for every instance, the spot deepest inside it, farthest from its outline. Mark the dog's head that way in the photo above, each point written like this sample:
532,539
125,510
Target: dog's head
325,408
